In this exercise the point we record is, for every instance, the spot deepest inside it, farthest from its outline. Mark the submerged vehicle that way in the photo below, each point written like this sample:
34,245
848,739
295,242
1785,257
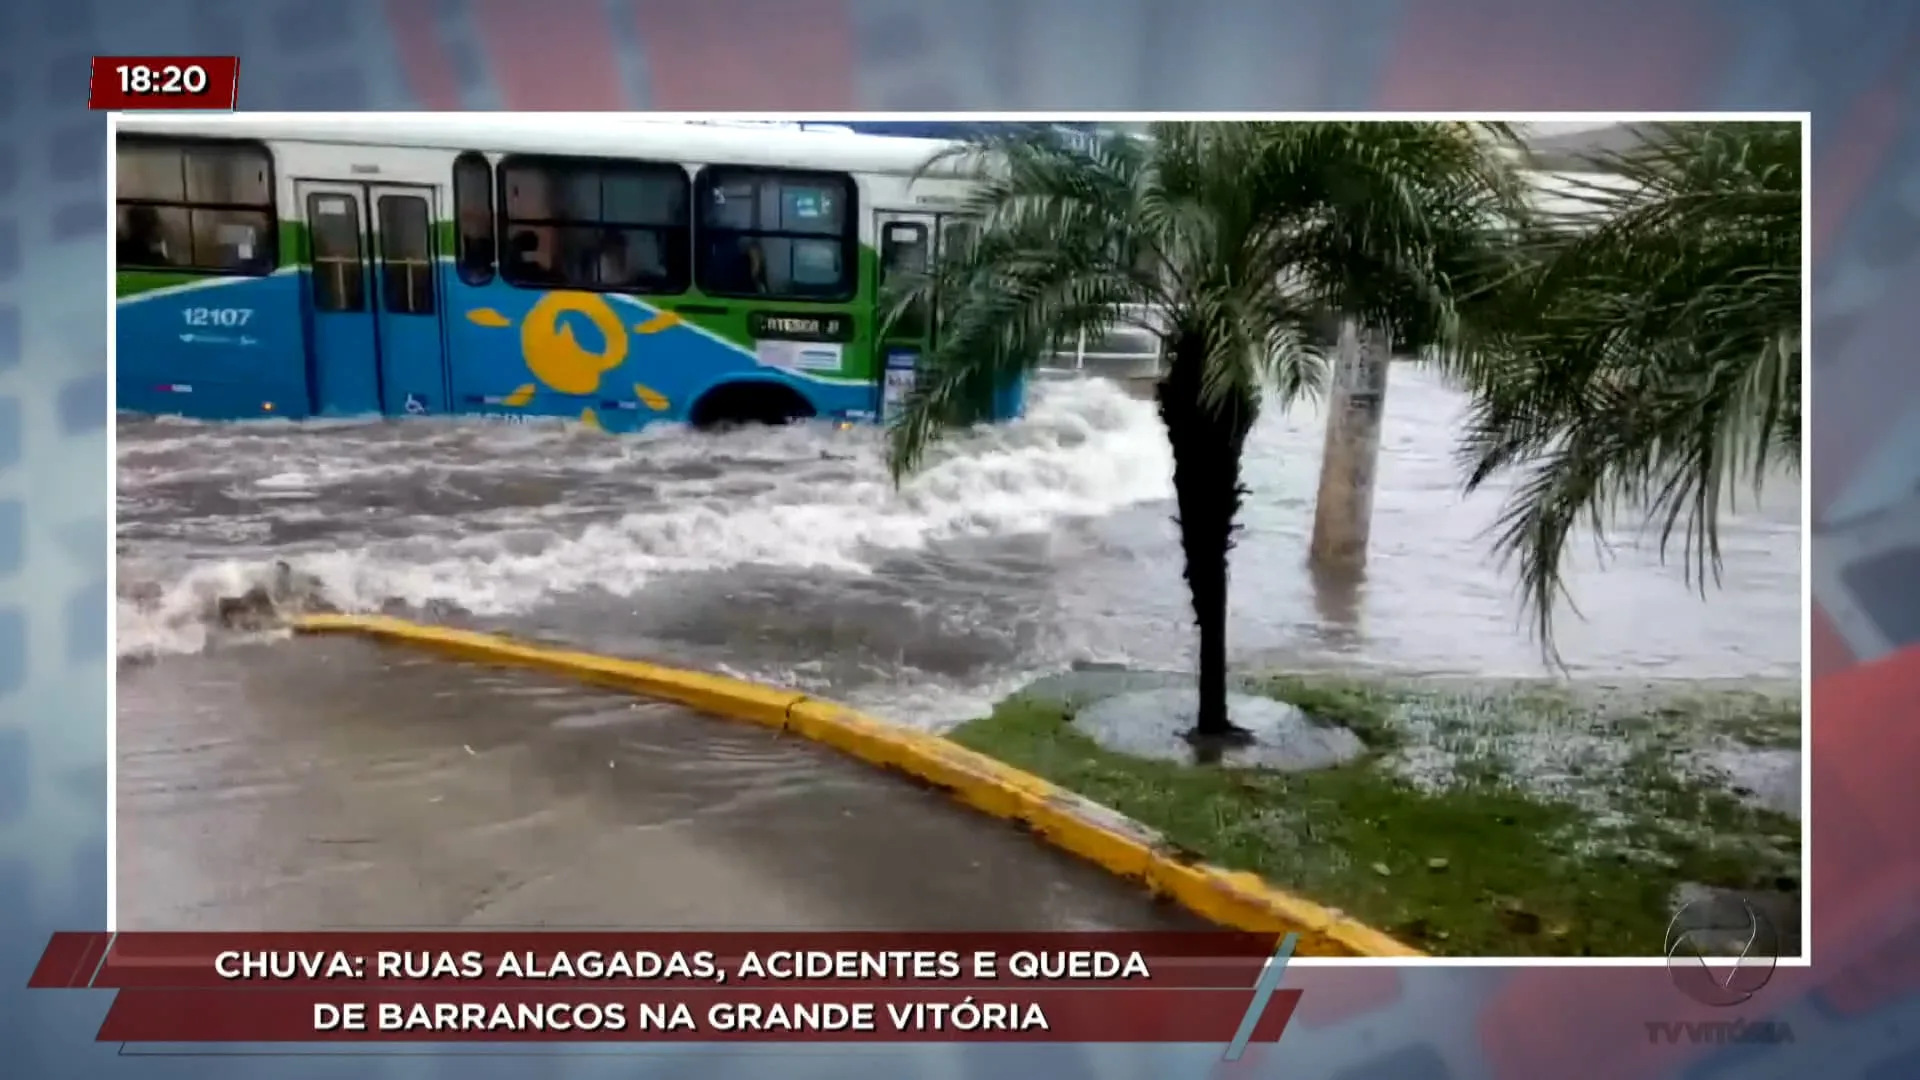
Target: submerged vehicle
612,270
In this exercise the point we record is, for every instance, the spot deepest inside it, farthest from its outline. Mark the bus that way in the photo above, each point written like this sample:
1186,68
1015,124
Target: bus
615,271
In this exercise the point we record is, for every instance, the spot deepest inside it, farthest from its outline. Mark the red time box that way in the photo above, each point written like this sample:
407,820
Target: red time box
164,82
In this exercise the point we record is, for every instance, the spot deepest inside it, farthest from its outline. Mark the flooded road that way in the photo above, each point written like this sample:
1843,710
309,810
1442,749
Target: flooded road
336,783
787,556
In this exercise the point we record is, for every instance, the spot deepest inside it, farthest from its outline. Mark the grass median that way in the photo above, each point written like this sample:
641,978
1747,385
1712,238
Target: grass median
1520,819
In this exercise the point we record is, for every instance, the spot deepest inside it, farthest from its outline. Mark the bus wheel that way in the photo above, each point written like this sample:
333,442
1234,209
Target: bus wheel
740,403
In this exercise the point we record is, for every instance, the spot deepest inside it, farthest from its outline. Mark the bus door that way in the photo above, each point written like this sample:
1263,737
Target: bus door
907,248
374,336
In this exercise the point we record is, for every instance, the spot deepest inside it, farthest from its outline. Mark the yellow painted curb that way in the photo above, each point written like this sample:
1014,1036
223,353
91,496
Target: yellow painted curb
1125,847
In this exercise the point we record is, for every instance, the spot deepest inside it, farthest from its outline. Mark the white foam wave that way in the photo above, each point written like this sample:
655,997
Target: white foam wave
803,497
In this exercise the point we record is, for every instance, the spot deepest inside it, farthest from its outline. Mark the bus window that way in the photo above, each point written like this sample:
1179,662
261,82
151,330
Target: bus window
904,255
225,178
153,236
229,239
202,206
338,266
783,235
406,255
576,196
632,260
903,250
473,210
150,172
528,258
956,237
593,224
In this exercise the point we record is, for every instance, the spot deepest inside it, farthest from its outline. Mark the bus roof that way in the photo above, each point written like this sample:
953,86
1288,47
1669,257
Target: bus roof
764,144
583,134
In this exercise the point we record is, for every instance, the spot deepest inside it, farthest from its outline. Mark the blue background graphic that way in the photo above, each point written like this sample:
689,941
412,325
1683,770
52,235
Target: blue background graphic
1852,62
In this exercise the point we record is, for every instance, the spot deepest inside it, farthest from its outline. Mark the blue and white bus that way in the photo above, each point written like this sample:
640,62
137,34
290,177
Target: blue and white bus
616,271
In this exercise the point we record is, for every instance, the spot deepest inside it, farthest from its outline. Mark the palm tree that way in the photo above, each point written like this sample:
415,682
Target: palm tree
1645,355
1229,242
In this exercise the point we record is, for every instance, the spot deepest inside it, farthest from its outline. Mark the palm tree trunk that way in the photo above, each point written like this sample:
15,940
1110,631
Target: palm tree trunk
1343,503
1207,438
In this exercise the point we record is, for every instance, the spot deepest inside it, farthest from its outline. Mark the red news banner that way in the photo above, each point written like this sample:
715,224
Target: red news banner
704,987
123,83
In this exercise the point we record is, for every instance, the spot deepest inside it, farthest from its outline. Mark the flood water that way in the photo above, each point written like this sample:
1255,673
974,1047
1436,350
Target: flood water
788,556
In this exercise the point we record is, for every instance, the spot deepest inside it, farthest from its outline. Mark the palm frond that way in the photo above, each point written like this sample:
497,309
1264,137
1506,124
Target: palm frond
1042,265
1644,358
1239,237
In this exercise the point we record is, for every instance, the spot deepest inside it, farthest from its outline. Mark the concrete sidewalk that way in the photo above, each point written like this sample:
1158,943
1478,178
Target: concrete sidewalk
329,782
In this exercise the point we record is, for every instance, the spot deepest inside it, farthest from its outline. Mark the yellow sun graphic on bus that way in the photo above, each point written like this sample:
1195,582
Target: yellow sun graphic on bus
557,359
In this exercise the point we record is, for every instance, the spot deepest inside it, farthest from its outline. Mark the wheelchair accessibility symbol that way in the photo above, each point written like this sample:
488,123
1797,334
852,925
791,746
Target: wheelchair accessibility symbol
414,406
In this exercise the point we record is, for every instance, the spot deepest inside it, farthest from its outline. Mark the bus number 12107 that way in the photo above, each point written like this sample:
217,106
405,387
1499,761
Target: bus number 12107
217,316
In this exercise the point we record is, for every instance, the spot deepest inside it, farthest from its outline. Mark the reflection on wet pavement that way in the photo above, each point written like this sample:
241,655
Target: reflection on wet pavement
330,782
